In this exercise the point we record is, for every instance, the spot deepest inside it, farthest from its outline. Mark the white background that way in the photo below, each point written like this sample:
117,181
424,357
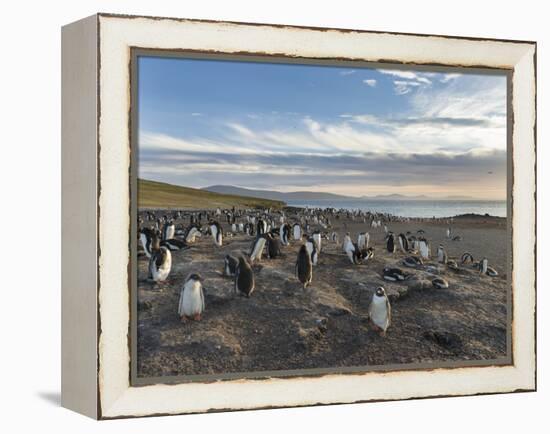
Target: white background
30,215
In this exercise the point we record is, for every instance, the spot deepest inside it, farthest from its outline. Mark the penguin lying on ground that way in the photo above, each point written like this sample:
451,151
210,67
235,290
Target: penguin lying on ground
394,274
412,262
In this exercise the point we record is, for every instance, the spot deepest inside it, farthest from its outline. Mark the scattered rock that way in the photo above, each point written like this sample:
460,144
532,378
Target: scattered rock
144,305
447,340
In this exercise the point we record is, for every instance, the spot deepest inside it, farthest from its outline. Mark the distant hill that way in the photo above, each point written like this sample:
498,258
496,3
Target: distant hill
276,195
313,195
152,194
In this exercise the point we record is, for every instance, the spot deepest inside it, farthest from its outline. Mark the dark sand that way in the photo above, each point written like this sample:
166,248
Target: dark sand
282,327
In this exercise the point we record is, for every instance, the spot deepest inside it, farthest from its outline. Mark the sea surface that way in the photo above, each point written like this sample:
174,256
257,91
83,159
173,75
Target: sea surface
413,208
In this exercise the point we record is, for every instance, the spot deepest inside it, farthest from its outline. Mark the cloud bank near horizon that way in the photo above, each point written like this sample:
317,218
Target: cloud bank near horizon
367,131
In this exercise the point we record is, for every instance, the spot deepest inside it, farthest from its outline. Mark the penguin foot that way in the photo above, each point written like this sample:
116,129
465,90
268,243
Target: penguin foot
197,317
183,319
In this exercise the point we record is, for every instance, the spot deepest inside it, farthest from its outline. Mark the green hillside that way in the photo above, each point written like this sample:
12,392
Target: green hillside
152,194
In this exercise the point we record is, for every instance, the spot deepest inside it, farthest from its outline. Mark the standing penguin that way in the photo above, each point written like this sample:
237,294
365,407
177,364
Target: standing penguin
361,240
317,239
169,230
160,264
191,304
380,310
191,233
334,237
297,232
390,243
217,232
273,247
403,243
257,248
346,243
230,265
244,278
441,254
146,237
311,247
424,248
284,233
304,268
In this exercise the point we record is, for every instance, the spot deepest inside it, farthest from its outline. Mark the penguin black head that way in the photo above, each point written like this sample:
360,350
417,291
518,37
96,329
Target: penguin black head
380,292
194,276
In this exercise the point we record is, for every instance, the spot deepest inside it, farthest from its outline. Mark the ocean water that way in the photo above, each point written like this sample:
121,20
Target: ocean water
414,208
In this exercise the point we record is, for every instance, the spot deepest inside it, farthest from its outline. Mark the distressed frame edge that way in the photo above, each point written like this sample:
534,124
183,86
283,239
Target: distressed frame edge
79,325
529,386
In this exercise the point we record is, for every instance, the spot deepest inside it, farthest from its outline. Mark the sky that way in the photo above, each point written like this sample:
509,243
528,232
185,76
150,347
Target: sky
352,131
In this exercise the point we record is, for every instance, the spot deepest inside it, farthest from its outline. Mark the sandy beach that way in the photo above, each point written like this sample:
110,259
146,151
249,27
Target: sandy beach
283,327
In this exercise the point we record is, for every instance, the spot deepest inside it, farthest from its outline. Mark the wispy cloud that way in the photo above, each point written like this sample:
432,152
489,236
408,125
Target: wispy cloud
348,72
370,82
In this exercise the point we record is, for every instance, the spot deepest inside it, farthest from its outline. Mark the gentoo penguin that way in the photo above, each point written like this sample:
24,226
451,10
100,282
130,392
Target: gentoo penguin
424,248
273,247
297,232
317,239
346,243
390,243
146,237
451,264
440,283
284,233
393,274
244,278
230,265
380,310
304,268
191,304
363,240
449,232
334,237
217,232
467,257
403,243
353,253
261,226
174,244
257,248
441,254
160,264
169,230
191,233
311,247
412,262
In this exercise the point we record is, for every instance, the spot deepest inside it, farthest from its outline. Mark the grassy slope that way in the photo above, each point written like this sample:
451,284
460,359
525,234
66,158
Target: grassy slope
152,194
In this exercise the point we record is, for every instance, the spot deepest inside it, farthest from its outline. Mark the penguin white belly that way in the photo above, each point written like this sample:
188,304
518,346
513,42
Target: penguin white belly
170,232
424,250
317,239
379,312
297,233
258,249
191,299
350,250
143,239
163,271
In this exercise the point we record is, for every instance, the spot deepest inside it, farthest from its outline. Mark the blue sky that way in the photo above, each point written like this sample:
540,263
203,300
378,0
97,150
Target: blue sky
354,131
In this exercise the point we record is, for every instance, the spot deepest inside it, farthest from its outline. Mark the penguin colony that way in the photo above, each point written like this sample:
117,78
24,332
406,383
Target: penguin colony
276,235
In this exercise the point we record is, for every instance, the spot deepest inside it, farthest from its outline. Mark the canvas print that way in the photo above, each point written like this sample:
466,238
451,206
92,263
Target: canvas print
296,219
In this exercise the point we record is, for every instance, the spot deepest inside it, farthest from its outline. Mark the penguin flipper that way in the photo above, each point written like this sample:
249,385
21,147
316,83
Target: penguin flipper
388,307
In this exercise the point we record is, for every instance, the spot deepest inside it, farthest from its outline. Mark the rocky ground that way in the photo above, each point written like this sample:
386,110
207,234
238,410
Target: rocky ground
283,327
